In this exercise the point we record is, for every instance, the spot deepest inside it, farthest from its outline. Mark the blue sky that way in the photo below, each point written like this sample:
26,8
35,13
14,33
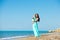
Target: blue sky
16,15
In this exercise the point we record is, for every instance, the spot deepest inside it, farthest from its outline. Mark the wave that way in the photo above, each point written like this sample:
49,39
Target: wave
7,38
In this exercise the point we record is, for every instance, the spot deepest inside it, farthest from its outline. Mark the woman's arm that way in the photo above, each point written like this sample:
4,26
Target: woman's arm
36,19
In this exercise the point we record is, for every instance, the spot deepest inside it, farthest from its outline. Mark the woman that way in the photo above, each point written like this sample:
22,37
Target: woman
35,19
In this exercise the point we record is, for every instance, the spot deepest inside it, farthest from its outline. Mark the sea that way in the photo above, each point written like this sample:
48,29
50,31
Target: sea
16,34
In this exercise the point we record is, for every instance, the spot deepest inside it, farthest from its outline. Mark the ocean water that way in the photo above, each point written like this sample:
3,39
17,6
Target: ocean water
6,34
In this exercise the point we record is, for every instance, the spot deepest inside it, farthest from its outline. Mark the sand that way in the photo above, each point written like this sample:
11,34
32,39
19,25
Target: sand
47,36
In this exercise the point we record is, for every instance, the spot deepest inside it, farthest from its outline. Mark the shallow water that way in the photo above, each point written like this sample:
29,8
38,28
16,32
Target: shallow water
7,34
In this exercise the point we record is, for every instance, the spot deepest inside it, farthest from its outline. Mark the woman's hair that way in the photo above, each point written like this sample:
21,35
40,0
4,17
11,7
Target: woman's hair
37,17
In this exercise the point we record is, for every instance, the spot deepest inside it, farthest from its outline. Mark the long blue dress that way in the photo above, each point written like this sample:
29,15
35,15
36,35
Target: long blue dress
35,28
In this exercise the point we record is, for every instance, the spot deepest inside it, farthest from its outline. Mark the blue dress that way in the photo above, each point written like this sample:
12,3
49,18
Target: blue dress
35,28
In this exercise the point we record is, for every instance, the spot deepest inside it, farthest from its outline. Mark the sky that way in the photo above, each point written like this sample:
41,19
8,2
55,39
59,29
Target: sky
16,15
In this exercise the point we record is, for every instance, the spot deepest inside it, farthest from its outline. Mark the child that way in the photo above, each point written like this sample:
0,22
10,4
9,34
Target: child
35,19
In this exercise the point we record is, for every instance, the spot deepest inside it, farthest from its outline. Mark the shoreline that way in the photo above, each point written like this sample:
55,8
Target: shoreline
47,36
13,37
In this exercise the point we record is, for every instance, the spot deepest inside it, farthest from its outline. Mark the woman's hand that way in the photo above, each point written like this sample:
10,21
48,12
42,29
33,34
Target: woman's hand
36,19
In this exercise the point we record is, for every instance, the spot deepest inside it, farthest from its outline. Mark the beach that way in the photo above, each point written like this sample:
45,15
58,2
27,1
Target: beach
47,36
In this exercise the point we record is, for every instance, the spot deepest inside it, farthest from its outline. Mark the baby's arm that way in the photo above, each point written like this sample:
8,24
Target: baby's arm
32,20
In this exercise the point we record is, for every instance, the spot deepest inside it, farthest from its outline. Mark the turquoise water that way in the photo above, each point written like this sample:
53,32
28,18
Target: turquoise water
4,34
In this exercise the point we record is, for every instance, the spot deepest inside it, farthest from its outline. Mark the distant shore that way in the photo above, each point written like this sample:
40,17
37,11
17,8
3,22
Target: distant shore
57,30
